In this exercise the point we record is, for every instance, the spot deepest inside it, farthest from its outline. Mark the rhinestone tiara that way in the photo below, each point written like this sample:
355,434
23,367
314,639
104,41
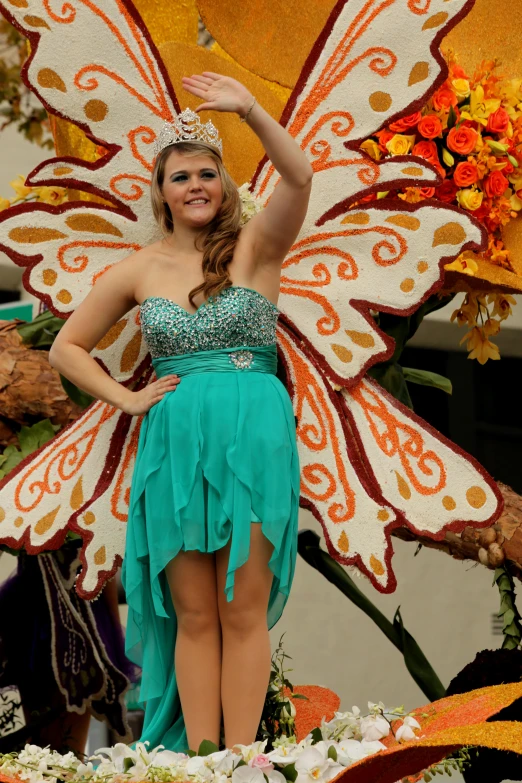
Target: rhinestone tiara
187,127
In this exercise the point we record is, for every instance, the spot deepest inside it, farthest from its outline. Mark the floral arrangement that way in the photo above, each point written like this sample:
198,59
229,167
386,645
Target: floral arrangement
46,194
319,757
470,130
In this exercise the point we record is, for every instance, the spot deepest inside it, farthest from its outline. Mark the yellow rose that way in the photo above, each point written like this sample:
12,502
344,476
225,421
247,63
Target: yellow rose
51,195
399,144
470,199
4,203
461,88
372,149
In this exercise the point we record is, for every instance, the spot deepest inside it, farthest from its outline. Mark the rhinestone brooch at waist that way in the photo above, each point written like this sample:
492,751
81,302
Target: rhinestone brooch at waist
242,359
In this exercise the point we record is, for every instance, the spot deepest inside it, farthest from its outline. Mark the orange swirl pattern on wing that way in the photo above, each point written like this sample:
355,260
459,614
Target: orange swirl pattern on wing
146,136
419,7
116,498
135,191
318,436
153,82
81,261
388,439
337,69
68,13
68,460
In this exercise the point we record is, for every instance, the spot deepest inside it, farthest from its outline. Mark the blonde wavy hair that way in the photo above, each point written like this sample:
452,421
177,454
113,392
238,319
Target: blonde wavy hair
218,240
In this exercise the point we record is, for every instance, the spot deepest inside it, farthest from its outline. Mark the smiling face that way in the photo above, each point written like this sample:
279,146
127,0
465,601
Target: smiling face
192,188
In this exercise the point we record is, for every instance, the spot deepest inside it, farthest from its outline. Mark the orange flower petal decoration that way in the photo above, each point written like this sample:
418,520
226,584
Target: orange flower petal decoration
452,722
322,702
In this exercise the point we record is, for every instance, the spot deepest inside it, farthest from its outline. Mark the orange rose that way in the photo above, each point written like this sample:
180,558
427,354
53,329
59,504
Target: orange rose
403,123
443,99
465,174
427,192
384,136
498,121
462,140
428,151
495,184
430,126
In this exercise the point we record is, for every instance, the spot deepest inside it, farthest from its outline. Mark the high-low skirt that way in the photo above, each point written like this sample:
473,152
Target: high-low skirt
215,455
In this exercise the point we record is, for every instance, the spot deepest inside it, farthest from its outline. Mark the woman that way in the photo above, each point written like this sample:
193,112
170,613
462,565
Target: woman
212,530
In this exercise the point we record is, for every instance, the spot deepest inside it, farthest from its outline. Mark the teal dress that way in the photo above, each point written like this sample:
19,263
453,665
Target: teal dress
215,455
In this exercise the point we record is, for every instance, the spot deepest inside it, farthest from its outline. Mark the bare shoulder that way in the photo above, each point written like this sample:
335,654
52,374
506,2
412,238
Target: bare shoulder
126,276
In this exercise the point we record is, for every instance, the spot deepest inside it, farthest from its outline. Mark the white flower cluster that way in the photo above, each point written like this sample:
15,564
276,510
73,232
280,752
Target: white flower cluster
347,738
250,205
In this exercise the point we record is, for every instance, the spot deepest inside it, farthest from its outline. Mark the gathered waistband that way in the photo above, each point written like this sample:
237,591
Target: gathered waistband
260,358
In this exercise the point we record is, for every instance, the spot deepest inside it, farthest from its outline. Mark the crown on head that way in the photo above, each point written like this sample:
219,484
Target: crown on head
187,127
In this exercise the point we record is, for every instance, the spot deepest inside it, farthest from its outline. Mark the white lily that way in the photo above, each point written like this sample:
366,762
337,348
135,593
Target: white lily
246,774
406,732
374,727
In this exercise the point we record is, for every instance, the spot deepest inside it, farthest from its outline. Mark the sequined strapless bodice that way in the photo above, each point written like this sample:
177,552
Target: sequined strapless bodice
237,316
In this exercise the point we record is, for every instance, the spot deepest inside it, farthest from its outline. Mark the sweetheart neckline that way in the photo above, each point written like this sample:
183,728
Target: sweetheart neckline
203,304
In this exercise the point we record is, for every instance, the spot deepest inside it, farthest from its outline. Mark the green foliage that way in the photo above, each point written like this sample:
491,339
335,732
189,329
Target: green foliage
30,439
277,718
426,378
207,747
416,662
390,375
41,331
511,620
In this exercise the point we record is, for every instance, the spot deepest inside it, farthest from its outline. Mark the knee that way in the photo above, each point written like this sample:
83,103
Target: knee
196,622
240,620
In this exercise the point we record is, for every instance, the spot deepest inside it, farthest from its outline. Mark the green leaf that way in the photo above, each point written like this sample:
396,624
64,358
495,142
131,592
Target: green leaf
416,662
78,396
192,753
42,330
206,748
452,117
127,764
316,735
308,546
241,763
332,753
513,161
427,378
30,439
391,378
289,771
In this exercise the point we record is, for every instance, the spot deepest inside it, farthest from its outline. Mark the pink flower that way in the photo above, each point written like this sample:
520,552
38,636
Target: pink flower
261,761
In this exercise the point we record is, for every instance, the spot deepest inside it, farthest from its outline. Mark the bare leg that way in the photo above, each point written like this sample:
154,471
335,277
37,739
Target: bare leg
246,643
192,582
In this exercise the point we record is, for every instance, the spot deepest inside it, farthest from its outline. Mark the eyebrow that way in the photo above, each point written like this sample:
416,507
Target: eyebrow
184,171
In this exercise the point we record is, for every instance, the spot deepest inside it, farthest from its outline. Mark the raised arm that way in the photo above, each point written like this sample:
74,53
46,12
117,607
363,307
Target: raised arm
274,230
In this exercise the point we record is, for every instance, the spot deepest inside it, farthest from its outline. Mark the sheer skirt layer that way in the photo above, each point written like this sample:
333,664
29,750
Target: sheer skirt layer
213,456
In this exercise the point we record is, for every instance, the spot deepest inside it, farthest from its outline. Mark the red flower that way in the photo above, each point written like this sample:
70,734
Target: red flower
447,191
498,121
495,184
465,174
443,99
428,151
430,126
427,192
462,140
403,123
